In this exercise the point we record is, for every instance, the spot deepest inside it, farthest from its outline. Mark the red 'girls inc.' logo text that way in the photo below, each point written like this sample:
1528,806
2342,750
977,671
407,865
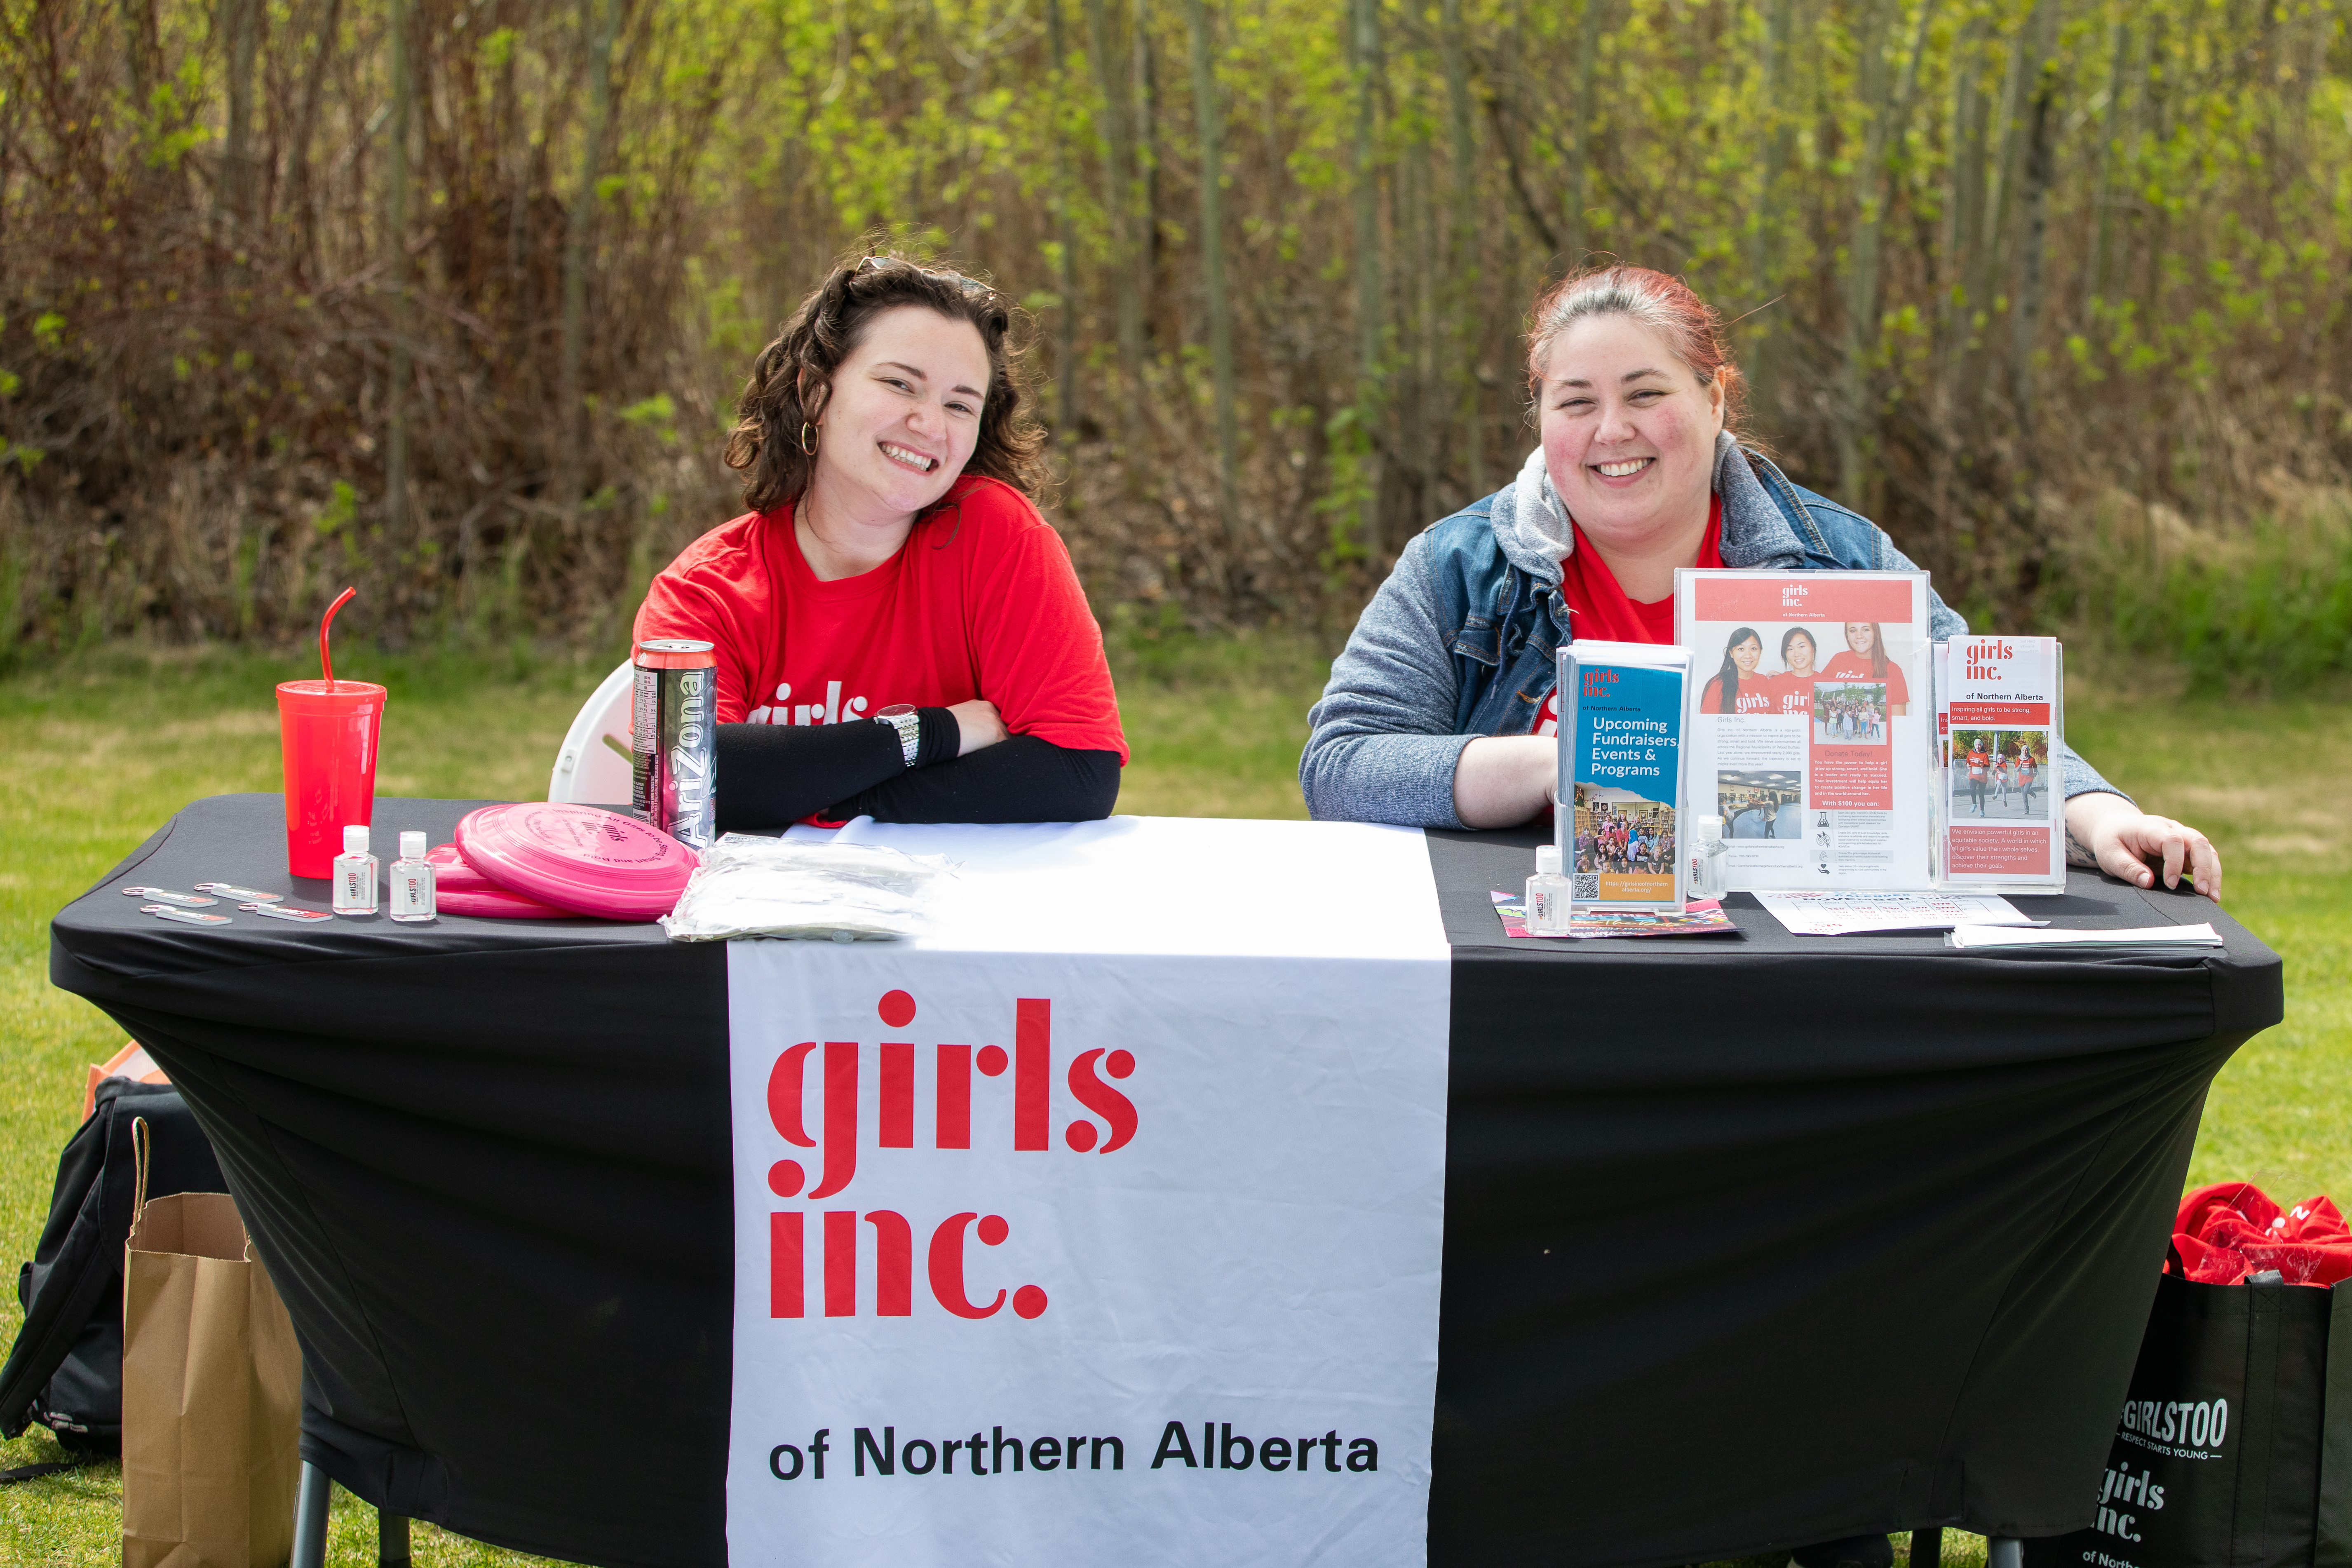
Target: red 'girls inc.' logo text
896,1065
1981,660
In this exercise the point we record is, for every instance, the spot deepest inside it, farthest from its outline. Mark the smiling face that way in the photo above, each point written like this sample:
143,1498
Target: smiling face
1746,653
1797,652
903,413
1859,635
1628,431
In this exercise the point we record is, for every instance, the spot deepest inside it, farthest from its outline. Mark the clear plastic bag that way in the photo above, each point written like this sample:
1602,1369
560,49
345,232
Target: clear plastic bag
751,886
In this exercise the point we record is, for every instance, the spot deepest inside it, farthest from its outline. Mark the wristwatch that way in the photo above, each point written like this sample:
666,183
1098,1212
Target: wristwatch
902,717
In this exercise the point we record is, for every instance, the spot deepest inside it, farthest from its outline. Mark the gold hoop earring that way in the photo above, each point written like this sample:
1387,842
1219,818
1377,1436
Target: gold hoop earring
808,447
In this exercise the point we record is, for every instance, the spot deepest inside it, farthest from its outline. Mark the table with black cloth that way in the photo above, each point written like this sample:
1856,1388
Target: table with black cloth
1748,1242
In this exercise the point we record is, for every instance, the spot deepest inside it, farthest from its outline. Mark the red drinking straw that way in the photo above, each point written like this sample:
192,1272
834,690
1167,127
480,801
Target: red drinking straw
326,664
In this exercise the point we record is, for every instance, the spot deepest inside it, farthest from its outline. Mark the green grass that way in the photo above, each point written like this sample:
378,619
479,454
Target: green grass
95,754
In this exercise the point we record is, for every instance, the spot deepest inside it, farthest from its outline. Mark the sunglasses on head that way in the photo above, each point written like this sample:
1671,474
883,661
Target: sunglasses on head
887,263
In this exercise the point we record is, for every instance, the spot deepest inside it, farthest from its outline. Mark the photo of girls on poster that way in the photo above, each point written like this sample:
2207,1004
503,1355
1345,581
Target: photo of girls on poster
1620,836
2002,773
1850,713
1767,805
1810,676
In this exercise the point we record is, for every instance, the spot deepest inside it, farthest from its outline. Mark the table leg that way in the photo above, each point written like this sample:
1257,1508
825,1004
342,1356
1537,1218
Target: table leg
2004,1552
311,1518
391,1540
1927,1549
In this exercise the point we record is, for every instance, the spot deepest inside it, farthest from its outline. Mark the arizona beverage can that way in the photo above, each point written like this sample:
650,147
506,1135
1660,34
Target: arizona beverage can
674,739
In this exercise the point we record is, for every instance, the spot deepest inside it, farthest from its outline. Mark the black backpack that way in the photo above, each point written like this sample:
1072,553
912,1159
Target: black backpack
66,1370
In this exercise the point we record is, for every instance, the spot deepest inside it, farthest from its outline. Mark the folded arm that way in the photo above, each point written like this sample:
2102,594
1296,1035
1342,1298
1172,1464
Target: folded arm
771,775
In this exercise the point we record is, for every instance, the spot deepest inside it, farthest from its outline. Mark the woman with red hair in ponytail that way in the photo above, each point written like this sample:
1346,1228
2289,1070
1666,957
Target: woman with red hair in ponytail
1437,712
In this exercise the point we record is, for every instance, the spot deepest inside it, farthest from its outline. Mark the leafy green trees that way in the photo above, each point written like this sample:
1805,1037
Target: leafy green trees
495,268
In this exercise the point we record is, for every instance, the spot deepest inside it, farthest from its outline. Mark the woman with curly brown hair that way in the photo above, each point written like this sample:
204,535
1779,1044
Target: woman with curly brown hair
898,632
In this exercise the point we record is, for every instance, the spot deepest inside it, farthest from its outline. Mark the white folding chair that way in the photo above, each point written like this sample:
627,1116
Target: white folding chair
592,768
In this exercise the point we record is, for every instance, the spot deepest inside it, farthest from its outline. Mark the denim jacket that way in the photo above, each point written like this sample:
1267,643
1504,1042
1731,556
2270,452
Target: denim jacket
1461,641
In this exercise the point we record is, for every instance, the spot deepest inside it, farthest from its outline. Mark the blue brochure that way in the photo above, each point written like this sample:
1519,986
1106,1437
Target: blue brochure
1621,750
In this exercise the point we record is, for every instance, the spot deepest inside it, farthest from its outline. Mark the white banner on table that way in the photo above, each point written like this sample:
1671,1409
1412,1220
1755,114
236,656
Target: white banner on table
1103,1223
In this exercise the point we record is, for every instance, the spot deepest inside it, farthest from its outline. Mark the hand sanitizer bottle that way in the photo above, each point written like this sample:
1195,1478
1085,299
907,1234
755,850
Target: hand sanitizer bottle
1707,874
354,874
1548,895
412,882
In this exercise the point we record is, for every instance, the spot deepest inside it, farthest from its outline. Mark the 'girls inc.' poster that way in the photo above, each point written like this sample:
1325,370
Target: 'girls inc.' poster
1809,723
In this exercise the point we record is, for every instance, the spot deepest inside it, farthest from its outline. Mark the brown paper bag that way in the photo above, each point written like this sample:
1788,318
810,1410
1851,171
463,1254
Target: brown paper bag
211,1390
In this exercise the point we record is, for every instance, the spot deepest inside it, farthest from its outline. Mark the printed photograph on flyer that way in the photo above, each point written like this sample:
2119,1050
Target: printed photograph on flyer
1763,804
1624,847
1804,717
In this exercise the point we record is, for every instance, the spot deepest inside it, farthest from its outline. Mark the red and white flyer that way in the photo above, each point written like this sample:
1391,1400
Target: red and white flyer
1999,717
1809,725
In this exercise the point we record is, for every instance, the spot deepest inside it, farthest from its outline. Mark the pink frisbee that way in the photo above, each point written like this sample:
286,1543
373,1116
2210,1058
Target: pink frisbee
497,904
459,890
452,875
578,857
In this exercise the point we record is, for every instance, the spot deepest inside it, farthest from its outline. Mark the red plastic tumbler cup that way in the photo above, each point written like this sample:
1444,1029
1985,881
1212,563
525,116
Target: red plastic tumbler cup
327,730
328,737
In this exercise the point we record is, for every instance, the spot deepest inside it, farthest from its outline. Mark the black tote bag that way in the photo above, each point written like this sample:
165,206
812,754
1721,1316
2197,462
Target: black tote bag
2234,1449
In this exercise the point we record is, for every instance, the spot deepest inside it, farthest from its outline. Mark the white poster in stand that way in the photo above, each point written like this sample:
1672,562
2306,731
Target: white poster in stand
1103,1223
1809,723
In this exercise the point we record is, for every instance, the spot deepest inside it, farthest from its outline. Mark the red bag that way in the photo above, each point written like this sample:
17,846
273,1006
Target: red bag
2231,1230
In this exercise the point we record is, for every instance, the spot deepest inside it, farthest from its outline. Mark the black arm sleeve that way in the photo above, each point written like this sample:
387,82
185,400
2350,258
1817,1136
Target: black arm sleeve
771,775
1021,779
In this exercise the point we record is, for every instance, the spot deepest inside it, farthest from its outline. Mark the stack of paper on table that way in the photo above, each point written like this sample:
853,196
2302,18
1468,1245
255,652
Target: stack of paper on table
2202,934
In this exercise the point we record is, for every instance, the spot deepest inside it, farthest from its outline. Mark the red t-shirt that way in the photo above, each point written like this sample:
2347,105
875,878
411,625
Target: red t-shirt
1853,667
1599,610
1791,692
980,602
1757,694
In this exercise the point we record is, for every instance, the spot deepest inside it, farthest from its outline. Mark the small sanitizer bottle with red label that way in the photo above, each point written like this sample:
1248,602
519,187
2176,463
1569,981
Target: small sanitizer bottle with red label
412,889
1548,895
354,874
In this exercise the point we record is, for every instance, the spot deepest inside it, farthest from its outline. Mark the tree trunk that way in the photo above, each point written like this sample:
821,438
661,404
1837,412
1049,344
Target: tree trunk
1119,187
1425,434
395,447
1965,295
2038,163
602,17
1065,341
140,48
2103,193
240,23
1147,170
1861,335
1364,57
1461,270
314,84
1776,133
1213,235
2018,88
1588,49
1889,112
